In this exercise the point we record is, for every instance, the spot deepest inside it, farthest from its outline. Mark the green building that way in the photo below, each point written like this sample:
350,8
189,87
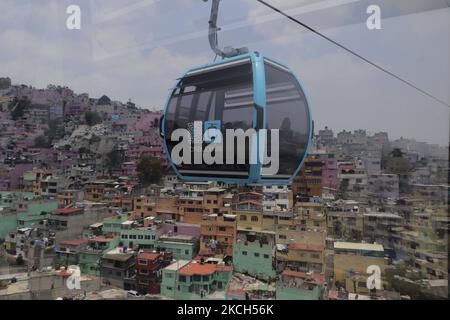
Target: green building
182,247
8,209
8,198
294,285
192,280
8,222
68,251
22,210
89,258
254,254
169,278
114,224
145,237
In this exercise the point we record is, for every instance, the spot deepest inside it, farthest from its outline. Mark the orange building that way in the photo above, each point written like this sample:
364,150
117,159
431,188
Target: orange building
68,198
308,183
217,234
144,206
193,204
168,207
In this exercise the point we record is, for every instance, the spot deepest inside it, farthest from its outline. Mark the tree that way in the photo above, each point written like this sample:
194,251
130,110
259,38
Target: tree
396,163
3,284
18,108
41,142
149,170
54,130
397,153
19,260
114,159
5,83
92,118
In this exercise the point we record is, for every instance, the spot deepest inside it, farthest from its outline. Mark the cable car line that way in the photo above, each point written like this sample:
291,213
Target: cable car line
354,53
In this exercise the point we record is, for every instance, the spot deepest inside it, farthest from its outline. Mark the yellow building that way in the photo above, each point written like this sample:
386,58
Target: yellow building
272,220
345,224
310,215
302,257
286,235
351,261
249,215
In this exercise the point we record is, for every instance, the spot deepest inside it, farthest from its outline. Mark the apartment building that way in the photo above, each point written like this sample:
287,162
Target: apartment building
296,285
148,271
194,280
351,260
217,234
254,254
117,268
301,257
308,183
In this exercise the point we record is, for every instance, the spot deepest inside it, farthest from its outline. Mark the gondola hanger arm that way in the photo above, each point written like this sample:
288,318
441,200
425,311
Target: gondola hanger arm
227,52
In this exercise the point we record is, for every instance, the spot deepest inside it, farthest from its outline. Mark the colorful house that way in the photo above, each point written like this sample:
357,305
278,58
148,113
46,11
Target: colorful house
295,285
148,271
195,280
89,259
254,254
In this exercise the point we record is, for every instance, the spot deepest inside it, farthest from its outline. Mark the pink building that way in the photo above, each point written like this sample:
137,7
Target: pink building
329,172
136,152
44,96
151,138
184,229
128,169
56,96
77,105
147,121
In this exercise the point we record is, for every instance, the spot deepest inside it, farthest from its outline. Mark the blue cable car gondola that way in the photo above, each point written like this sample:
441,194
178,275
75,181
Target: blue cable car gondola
245,91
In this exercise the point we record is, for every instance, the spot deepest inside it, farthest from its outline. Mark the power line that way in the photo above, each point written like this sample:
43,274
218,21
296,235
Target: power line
354,53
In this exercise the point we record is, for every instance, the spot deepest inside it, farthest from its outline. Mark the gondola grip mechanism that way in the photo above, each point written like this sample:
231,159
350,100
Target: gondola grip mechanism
227,52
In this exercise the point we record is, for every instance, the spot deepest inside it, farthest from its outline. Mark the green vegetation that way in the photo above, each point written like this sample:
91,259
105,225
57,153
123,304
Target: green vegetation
3,284
54,130
42,142
114,159
19,260
92,118
394,162
5,83
18,107
149,170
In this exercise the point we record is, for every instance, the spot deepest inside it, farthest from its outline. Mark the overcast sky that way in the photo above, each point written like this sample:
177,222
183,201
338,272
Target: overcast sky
136,49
